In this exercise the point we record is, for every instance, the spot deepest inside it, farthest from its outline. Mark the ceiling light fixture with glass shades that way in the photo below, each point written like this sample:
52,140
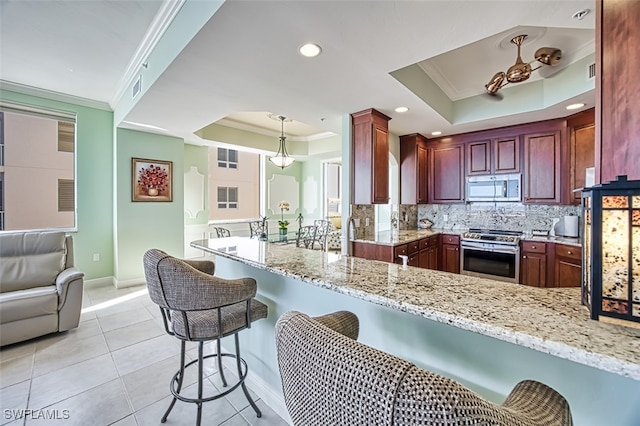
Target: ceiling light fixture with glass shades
282,158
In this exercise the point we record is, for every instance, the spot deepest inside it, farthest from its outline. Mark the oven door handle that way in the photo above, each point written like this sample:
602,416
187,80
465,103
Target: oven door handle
505,250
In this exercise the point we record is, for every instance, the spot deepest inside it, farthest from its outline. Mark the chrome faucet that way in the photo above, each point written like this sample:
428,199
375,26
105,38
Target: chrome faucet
351,235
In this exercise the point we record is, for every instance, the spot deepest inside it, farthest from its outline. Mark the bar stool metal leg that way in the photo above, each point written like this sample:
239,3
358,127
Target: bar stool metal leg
224,381
180,379
199,402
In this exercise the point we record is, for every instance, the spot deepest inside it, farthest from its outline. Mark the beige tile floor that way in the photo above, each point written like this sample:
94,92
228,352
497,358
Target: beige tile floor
115,369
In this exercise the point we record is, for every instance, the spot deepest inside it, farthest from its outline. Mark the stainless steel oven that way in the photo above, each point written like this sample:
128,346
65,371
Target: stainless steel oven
491,254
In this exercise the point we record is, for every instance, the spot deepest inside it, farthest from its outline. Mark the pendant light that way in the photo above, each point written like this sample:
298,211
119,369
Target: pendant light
282,158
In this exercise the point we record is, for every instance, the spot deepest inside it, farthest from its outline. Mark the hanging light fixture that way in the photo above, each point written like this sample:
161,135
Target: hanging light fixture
282,158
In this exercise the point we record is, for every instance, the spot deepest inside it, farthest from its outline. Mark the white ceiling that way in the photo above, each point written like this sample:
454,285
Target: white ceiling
245,59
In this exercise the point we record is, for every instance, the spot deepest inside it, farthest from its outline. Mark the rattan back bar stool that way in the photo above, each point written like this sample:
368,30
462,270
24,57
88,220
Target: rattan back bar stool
198,307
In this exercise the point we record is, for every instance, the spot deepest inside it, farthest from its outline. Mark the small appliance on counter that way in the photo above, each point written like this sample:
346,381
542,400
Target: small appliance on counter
565,227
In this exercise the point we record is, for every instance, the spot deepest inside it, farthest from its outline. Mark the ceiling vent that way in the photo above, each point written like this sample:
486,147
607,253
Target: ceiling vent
591,71
137,87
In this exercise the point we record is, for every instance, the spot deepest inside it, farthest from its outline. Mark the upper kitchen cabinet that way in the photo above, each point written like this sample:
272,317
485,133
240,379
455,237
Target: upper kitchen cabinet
582,144
414,168
446,174
617,89
370,157
493,156
542,171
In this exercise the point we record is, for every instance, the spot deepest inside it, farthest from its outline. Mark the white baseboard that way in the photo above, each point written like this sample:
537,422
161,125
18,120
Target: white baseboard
129,283
100,282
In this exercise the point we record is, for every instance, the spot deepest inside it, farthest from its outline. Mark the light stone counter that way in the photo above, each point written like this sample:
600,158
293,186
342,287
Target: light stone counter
547,320
389,238
396,238
577,242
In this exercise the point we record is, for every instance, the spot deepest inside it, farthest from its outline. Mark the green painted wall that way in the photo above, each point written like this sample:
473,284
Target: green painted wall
144,225
94,179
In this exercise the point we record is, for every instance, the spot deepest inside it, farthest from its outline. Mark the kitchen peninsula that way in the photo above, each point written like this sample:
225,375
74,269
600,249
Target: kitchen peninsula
483,333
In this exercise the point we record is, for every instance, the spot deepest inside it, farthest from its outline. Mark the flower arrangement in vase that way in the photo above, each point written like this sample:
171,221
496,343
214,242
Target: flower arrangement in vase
283,224
153,180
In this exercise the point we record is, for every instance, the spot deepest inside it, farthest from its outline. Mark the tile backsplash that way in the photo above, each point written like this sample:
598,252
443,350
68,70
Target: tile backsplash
503,216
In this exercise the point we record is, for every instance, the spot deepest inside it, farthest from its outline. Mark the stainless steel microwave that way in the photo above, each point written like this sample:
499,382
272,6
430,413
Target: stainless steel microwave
494,188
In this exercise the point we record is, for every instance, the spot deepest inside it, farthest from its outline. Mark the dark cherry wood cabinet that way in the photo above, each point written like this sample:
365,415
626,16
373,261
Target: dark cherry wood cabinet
542,168
567,266
373,251
450,257
429,252
446,174
493,156
533,264
370,158
506,155
617,89
413,251
479,158
581,128
414,167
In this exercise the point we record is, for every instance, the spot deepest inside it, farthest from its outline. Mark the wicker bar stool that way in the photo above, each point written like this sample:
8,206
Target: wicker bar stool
329,378
198,307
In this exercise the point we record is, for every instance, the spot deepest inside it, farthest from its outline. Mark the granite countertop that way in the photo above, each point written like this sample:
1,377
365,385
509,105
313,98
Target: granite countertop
405,236
389,238
547,320
577,242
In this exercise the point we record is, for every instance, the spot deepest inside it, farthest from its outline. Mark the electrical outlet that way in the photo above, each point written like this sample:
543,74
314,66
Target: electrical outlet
357,221
446,217
96,257
366,221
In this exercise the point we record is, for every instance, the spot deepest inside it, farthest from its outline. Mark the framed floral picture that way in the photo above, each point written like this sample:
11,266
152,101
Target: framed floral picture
151,180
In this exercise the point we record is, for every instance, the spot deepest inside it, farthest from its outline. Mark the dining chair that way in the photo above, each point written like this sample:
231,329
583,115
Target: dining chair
306,236
220,232
259,229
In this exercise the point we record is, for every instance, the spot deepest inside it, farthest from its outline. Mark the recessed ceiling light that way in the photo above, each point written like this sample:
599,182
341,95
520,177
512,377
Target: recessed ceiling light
436,133
310,50
575,106
402,109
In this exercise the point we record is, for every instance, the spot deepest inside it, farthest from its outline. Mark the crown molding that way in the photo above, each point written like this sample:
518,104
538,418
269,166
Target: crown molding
167,12
54,96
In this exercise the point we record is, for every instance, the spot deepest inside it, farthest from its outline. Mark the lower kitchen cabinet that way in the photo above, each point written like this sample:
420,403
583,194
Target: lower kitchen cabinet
450,260
550,265
533,264
567,266
429,252
371,251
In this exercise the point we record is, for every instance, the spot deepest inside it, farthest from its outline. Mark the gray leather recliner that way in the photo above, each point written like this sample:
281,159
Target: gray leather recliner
40,290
